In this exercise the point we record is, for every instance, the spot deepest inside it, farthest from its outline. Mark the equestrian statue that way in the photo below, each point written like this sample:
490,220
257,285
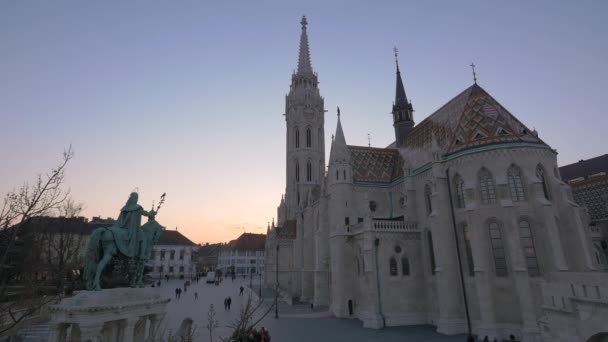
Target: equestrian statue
128,238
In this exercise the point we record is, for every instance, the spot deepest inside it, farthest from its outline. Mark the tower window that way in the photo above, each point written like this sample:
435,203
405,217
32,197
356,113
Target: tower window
393,267
297,171
498,250
427,199
486,186
516,186
344,174
540,173
337,175
459,187
297,138
308,138
405,266
308,171
527,243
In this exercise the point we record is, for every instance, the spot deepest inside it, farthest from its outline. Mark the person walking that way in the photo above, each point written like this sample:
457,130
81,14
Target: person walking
241,292
195,295
229,302
176,292
226,303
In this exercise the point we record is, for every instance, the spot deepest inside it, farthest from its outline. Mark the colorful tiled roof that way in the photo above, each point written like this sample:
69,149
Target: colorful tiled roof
247,242
288,231
471,119
584,168
377,165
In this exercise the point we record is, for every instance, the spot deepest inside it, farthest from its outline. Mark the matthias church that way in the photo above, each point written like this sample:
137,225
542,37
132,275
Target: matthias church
457,223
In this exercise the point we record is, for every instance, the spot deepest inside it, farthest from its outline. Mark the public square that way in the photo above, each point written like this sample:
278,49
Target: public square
296,323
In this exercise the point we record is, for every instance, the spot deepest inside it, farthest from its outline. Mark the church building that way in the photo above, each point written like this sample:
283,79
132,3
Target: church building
456,224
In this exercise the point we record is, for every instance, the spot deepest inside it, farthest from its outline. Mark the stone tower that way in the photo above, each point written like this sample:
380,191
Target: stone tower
304,116
403,112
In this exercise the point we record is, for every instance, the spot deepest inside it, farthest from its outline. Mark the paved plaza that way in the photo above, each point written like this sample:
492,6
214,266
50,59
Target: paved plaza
296,323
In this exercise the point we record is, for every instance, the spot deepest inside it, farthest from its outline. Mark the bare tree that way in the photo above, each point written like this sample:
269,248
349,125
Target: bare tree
250,315
39,198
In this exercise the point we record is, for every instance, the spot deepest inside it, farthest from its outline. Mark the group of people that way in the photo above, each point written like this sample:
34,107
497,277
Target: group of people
261,335
227,303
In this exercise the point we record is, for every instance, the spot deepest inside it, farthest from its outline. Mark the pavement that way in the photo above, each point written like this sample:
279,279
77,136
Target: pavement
296,323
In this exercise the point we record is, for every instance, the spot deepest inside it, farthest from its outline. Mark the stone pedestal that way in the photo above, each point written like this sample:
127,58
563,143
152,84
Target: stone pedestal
107,316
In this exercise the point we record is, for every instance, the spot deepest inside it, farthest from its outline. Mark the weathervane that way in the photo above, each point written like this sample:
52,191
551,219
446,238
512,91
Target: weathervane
369,140
474,74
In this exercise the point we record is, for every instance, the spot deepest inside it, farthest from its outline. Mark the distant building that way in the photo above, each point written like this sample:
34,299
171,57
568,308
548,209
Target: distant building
244,255
208,256
589,182
173,255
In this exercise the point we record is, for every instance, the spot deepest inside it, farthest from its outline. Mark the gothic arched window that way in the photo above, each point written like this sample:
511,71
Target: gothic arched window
393,267
466,234
297,171
308,171
459,191
516,186
337,175
405,266
540,173
344,174
297,138
427,199
486,186
308,138
527,243
431,251
498,250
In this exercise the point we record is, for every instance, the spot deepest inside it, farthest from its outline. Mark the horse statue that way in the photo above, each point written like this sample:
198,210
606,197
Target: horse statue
127,238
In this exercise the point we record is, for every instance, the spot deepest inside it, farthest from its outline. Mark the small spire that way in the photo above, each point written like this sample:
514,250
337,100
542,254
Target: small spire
474,74
369,140
339,138
304,65
338,111
400,97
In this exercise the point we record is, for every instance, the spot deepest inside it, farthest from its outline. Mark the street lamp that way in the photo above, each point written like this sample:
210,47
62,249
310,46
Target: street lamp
276,295
251,277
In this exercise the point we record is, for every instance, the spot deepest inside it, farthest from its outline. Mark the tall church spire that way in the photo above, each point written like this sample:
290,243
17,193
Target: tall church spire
403,112
339,140
304,66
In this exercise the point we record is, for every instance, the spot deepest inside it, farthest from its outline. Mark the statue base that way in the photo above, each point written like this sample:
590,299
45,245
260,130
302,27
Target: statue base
117,315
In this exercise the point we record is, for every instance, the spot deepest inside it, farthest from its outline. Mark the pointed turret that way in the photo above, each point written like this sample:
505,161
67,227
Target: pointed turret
339,139
403,112
304,66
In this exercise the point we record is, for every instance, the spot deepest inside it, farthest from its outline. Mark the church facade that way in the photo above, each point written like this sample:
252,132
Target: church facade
460,221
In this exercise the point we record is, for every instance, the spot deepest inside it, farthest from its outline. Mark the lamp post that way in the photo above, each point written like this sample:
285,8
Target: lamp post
251,277
276,294
260,293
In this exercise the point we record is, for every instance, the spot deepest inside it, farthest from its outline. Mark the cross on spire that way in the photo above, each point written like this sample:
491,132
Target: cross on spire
396,56
474,74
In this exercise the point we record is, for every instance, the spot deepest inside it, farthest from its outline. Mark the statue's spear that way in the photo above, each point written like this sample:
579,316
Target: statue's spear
162,200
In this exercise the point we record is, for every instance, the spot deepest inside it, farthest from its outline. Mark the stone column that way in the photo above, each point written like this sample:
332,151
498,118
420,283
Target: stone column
530,330
155,321
449,291
90,332
483,276
128,329
58,332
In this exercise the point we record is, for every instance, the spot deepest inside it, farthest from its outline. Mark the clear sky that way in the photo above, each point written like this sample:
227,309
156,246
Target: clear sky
186,97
